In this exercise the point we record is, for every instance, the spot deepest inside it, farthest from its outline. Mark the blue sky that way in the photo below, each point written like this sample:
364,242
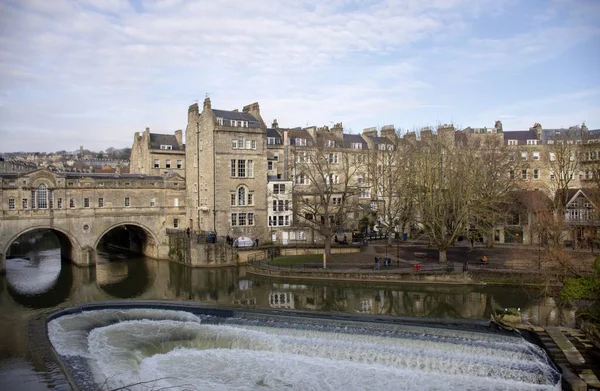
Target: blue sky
93,72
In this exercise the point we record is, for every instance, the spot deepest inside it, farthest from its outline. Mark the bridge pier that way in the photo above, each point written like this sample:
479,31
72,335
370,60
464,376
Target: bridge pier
84,257
2,263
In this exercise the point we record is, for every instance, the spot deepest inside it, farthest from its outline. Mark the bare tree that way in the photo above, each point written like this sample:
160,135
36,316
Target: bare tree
445,188
496,175
390,171
325,188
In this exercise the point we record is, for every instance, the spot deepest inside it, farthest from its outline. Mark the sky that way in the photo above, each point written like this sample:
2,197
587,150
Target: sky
94,72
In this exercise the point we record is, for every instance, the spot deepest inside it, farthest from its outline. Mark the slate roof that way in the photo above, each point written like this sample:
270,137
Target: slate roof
157,139
379,140
349,139
273,133
520,135
237,116
300,133
533,200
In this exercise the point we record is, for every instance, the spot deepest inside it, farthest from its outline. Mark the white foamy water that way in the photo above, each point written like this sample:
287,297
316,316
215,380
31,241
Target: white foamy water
178,349
34,276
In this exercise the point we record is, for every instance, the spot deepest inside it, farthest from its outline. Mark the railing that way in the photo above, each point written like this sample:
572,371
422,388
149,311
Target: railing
395,267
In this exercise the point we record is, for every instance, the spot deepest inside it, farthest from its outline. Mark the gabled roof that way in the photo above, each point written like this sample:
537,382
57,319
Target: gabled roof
350,139
591,195
157,139
533,200
300,133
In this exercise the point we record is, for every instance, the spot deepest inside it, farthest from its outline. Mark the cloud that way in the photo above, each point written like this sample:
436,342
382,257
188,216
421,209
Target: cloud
92,67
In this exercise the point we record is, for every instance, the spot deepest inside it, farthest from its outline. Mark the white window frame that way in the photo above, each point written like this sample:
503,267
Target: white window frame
532,142
179,163
166,147
152,202
513,142
156,163
536,155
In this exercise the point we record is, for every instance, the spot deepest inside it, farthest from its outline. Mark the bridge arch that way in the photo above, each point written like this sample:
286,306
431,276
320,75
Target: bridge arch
70,246
149,245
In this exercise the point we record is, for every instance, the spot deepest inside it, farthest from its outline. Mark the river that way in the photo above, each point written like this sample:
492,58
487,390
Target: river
38,282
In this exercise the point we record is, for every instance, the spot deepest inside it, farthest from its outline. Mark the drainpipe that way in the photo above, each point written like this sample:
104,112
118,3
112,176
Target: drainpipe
214,184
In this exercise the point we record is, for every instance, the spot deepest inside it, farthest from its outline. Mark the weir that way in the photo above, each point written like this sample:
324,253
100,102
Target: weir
175,345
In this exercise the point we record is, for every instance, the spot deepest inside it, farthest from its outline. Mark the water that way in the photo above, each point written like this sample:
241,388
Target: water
39,283
162,348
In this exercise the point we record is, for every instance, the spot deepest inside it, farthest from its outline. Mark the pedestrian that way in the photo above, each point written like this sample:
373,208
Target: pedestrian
256,242
345,239
188,231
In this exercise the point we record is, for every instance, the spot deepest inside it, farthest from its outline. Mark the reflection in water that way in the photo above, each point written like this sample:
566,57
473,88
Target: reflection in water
40,289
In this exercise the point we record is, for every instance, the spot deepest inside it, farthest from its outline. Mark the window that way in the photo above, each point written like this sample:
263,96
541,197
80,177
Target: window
552,176
168,163
532,142
241,166
276,156
220,121
71,203
250,218
152,202
336,201
536,156
552,156
59,203
127,201
253,144
523,155
524,174
41,197
279,188
233,167
24,203
195,187
280,206
381,147
365,192
250,169
250,199
86,202
166,147
356,145
332,158
300,142
175,201
536,173
512,174
233,199
241,196
270,140
587,176
513,142
11,203
179,164
234,219
330,143
175,223
274,205
301,179
101,202
156,163
332,179
270,166
242,219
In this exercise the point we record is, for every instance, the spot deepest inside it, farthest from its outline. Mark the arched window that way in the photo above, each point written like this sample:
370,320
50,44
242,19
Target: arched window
42,197
241,196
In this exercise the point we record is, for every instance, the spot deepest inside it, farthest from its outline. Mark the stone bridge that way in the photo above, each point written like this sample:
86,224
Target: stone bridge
82,208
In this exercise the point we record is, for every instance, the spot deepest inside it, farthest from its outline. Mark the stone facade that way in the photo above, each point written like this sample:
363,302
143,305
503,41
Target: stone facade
226,171
82,208
157,154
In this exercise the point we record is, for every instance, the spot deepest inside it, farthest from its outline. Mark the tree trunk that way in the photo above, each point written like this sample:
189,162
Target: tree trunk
443,258
489,238
328,246
390,239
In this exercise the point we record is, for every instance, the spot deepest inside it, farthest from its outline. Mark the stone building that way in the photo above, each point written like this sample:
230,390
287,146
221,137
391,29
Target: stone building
226,171
156,154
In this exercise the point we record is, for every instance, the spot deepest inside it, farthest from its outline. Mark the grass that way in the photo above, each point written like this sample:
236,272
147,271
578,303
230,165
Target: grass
297,259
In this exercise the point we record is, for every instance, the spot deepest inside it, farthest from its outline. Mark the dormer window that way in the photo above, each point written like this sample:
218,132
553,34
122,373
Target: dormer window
166,146
356,145
381,147
330,143
270,140
301,142
532,142
513,142
220,121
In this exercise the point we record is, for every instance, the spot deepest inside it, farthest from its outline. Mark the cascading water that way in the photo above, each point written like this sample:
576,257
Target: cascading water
111,348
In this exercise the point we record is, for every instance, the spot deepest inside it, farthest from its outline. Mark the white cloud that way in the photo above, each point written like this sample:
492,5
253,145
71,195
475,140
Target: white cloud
92,67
